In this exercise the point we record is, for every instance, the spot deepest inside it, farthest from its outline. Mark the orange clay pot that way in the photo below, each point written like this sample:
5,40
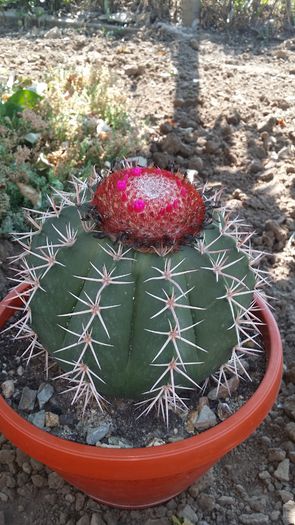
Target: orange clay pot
135,478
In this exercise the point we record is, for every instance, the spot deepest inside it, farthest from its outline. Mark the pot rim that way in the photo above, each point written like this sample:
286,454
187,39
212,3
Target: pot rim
217,437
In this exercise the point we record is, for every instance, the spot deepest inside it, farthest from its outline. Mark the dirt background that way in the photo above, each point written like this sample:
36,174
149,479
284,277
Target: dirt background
223,106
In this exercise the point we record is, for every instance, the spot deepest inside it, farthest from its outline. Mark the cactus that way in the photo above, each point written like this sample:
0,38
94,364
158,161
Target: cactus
139,288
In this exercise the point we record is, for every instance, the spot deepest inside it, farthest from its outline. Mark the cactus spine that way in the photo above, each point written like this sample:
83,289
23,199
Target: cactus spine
136,292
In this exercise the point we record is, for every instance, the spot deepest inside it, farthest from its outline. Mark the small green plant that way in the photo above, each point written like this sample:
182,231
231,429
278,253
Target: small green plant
79,120
139,288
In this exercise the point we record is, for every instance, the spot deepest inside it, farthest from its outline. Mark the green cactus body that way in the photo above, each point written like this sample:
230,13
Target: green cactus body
141,323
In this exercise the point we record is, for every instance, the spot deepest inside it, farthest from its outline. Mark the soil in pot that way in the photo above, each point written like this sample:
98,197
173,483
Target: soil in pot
40,400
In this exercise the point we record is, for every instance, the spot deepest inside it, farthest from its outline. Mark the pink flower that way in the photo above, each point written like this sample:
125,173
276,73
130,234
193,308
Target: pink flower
137,171
138,205
121,185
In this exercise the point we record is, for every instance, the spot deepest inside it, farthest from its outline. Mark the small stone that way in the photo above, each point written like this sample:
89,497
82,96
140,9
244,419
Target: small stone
20,371
234,118
161,160
6,456
2,518
206,502
8,388
226,500
189,514
275,516
289,406
38,481
156,442
285,495
290,429
27,400
267,125
45,392
96,434
96,519
51,419
223,411
134,70
255,166
38,419
54,32
195,163
84,520
165,128
55,481
254,519
212,146
289,513
282,471
276,454
3,497
282,53
267,176
292,456
206,419
102,127
194,43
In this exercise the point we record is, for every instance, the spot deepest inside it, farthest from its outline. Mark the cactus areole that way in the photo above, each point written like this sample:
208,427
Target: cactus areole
139,288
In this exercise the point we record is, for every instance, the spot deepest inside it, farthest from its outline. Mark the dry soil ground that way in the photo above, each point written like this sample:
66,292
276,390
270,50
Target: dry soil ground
226,108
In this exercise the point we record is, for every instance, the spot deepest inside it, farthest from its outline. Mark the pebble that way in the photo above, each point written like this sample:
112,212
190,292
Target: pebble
206,502
290,429
254,519
27,400
8,388
276,454
45,392
206,419
54,32
51,419
289,406
96,519
282,471
96,434
189,514
38,419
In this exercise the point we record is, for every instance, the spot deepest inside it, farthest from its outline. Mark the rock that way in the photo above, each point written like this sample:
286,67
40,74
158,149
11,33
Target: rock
7,388
55,481
165,128
282,53
38,419
223,411
202,484
289,406
194,43
96,519
195,163
292,456
234,118
276,454
267,125
45,392
282,471
222,392
27,400
134,70
206,419
2,518
6,456
38,481
84,520
189,514
255,166
285,495
96,434
289,513
212,146
206,502
51,419
156,442
172,144
267,176
226,500
254,519
54,32
161,160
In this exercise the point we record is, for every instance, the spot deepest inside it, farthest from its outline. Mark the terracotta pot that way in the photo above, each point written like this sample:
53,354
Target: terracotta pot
135,478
